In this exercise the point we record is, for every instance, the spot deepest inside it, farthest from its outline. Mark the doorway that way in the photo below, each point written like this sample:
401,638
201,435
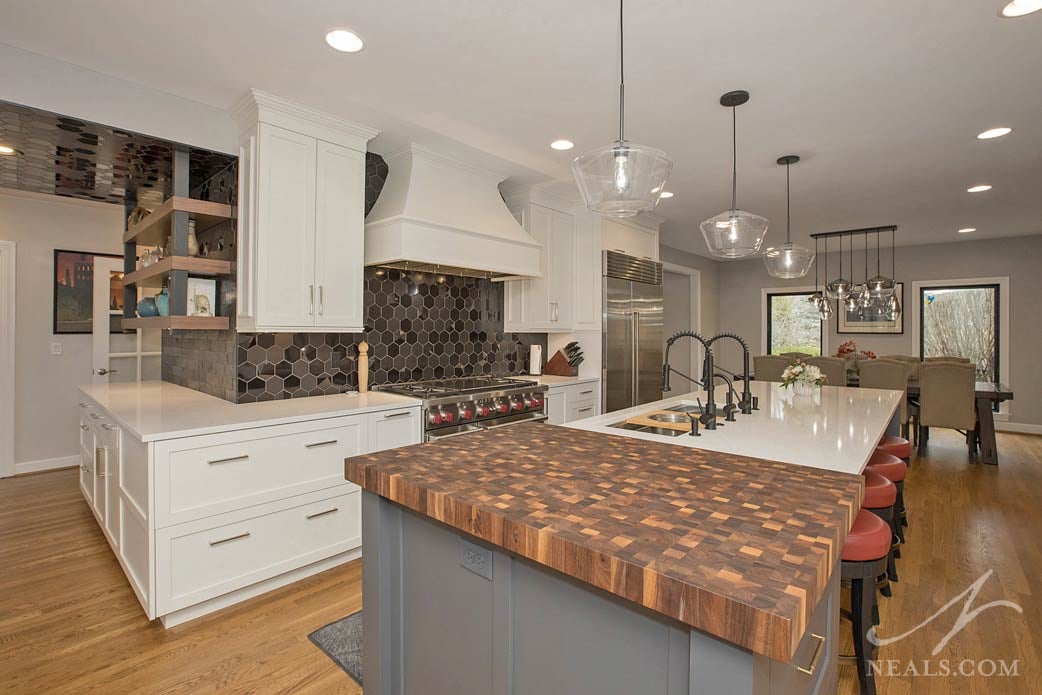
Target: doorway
681,301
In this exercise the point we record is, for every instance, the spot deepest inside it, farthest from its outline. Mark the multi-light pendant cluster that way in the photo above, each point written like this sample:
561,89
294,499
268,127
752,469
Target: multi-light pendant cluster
876,294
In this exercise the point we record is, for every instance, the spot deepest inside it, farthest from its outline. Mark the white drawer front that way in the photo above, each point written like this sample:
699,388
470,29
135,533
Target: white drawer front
194,564
199,477
580,410
582,392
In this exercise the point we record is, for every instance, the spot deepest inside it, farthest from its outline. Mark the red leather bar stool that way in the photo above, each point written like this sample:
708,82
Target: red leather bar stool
864,558
893,469
880,498
897,446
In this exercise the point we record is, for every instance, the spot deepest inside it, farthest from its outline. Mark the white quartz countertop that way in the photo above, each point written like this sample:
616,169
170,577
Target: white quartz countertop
551,381
153,410
836,429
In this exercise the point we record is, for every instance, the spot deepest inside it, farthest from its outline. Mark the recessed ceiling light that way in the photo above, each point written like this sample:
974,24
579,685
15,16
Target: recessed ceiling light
343,40
562,144
967,230
4,149
665,194
980,188
1019,8
992,133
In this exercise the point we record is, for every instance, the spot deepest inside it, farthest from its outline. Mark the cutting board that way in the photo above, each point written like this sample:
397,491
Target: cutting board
645,420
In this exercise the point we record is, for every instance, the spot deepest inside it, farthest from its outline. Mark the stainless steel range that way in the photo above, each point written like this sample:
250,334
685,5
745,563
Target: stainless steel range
472,404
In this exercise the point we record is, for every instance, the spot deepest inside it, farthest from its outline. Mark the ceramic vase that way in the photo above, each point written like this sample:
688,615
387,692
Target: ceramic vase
163,302
147,308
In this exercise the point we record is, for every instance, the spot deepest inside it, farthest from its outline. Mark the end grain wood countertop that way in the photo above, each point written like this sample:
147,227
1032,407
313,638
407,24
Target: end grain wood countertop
737,547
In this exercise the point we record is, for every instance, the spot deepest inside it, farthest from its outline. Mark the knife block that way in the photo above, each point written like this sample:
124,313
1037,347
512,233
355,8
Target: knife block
558,366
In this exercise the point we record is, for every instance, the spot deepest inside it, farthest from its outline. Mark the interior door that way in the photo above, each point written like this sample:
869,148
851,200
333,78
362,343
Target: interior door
339,235
618,345
119,356
647,310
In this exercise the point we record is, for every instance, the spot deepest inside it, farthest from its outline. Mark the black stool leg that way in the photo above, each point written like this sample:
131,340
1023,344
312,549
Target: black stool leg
861,617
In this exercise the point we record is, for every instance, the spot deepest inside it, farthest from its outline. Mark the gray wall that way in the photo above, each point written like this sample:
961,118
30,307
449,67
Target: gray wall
1019,258
710,271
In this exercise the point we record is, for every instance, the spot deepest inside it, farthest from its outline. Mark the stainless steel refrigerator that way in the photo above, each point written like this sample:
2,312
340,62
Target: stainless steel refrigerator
632,335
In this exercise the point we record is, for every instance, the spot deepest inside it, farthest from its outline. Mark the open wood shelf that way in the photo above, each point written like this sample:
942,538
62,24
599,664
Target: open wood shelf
154,229
198,323
155,274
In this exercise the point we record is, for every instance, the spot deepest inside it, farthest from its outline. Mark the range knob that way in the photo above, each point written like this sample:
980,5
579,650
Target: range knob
537,401
483,409
517,404
434,416
466,411
503,406
447,416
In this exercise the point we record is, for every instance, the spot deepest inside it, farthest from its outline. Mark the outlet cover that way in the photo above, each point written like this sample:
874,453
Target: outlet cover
476,559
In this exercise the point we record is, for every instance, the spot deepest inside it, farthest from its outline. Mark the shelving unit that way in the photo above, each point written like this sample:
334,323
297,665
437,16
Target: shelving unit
171,221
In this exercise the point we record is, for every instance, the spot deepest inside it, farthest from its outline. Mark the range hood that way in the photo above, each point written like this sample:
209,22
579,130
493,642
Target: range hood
437,214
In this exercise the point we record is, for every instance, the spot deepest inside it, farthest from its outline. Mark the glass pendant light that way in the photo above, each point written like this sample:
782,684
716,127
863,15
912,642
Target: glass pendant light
880,286
734,233
840,287
790,261
622,179
820,298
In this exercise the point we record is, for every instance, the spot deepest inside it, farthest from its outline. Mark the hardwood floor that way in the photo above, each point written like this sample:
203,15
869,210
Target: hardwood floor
69,622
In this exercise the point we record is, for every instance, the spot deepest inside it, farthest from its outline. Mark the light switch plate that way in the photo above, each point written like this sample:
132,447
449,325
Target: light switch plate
56,348
476,559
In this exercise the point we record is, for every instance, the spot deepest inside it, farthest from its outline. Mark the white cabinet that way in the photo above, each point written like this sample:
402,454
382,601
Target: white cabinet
301,218
630,237
567,403
393,428
586,272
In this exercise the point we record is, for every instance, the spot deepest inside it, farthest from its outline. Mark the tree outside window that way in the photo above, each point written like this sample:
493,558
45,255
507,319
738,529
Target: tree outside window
793,324
962,322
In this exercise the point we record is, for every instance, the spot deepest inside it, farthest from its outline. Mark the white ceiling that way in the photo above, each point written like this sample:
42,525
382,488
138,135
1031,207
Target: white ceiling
881,99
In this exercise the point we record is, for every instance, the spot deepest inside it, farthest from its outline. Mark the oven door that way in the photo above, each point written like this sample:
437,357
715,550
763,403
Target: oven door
471,427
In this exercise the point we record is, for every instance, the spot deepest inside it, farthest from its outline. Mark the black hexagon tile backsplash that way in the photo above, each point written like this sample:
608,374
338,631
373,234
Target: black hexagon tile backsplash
419,326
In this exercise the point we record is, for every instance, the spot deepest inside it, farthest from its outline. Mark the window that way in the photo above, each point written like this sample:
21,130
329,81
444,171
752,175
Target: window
962,321
792,324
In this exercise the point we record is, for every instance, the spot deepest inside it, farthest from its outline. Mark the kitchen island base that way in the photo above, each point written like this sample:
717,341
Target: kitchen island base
445,613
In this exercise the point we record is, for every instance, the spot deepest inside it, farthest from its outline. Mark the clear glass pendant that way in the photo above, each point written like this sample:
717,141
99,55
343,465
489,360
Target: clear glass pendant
622,179
838,289
825,310
850,302
734,234
789,261
894,309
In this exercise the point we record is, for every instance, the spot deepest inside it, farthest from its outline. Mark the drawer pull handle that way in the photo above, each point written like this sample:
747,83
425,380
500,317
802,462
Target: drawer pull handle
230,459
95,416
108,428
318,514
101,461
229,540
84,428
586,393
316,444
815,657
86,405
585,410
404,413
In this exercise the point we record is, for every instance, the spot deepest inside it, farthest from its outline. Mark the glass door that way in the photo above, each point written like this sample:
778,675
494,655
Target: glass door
119,356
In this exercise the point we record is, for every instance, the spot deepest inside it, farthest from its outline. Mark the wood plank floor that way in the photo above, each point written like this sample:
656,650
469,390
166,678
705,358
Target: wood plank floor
69,622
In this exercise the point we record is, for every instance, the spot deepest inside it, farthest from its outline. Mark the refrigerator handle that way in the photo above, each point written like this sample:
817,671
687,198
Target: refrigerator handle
636,357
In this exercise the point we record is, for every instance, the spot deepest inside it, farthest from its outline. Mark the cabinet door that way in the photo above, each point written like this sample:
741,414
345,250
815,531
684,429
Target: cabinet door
87,471
393,428
631,239
111,479
556,407
560,276
586,314
536,307
339,236
285,280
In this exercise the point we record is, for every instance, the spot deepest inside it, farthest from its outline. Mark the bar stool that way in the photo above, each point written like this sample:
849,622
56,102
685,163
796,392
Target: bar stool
880,497
864,558
897,446
893,469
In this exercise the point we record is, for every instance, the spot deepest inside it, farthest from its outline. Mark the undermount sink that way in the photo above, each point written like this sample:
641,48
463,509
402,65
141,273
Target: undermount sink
670,417
664,431
686,409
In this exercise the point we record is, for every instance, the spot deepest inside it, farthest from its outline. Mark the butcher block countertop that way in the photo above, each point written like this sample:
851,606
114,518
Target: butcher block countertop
736,547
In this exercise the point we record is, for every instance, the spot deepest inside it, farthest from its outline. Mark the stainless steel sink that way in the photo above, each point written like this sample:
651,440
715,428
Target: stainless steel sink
669,417
664,431
686,409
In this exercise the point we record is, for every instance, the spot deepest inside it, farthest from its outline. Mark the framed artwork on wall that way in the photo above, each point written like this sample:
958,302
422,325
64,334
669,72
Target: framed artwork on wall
73,307
871,320
202,297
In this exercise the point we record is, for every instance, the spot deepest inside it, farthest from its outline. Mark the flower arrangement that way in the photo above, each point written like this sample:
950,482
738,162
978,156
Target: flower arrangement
850,352
802,377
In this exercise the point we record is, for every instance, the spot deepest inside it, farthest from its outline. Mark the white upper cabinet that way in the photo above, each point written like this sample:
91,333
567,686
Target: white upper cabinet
301,218
631,238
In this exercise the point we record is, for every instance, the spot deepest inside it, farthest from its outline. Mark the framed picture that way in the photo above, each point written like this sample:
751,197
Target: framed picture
872,320
202,297
74,291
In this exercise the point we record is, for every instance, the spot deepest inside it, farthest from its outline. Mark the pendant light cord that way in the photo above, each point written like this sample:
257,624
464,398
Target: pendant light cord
877,252
734,159
866,258
622,79
788,219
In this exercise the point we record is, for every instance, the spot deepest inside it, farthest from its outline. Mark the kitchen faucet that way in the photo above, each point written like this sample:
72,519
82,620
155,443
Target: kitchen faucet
747,403
707,375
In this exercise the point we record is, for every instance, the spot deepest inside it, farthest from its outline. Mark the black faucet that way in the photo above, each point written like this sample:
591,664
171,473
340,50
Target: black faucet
707,375
729,406
746,403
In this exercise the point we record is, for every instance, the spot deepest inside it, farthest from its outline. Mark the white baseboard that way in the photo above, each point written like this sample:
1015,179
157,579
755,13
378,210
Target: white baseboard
46,464
1019,427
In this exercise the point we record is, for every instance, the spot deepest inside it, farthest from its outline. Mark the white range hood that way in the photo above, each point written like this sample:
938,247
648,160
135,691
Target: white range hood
437,214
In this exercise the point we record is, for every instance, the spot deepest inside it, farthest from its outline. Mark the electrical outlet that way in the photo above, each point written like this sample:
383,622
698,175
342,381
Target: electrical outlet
476,559
56,348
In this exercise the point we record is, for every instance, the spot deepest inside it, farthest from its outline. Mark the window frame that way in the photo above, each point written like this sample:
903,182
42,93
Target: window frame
765,316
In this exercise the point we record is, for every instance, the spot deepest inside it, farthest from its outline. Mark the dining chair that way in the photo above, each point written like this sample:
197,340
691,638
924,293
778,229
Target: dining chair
797,355
770,367
946,399
886,373
834,369
911,362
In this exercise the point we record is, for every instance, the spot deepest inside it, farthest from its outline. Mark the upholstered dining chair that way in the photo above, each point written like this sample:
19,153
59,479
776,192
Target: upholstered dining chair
797,355
834,369
885,373
910,361
770,367
946,399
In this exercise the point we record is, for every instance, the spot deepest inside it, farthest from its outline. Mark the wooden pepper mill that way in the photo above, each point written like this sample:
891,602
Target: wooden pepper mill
363,367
